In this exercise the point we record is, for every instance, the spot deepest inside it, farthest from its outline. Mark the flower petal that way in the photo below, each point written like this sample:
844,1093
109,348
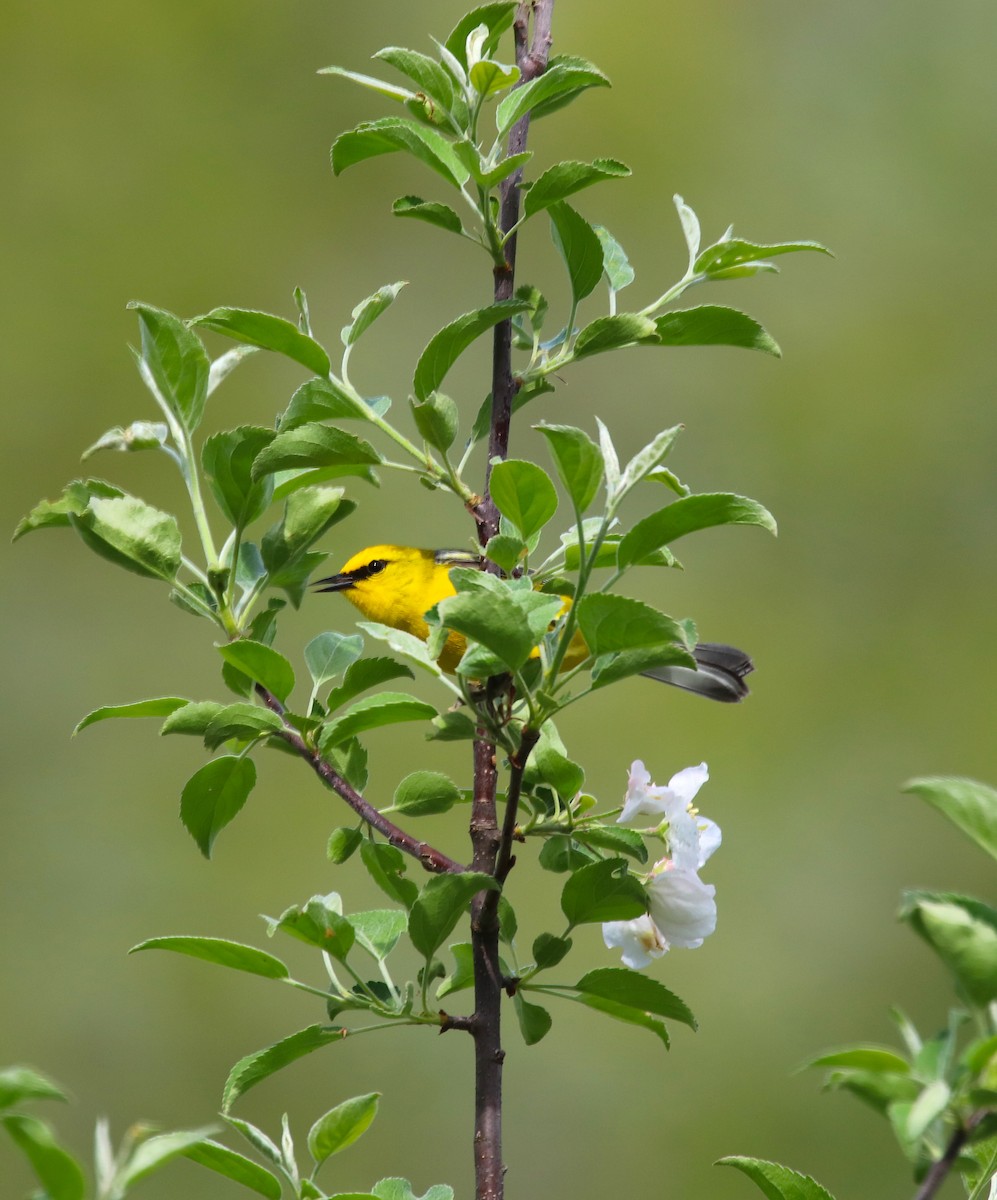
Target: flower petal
682,906
687,782
709,838
642,795
639,939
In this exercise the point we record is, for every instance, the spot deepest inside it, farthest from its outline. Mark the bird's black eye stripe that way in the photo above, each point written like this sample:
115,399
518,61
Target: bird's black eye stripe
374,567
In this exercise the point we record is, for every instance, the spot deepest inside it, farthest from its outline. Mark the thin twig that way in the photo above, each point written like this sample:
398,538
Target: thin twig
940,1169
428,856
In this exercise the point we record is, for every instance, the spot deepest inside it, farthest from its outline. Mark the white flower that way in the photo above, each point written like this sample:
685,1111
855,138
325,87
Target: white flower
682,909
640,940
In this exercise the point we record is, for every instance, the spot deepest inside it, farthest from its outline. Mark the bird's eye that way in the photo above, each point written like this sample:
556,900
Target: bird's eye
377,564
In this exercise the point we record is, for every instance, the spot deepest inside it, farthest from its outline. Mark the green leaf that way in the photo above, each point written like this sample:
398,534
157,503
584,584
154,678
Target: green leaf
367,311
687,515
612,837
426,792
488,77
427,74
623,664
234,1166
561,854
555,768
401,1189
523,494
406,644
54,514
268,333
635,991
489,177
319,922
449,344
714,325
876,1059
927,1108
154,1153
612,333
176,364
507,551
497,17
727,259
373,138
254,1068
221,952
328,655
379,929
611,623
436,419
963,933
193,717
568,76
57,1171
228,463
625,1013
462,976
507,623
160,707
441,904
969,805
565,178
549,950
262,664
386,866
619,273
18,1084
453,727
534,1021
244,722
690,228
373,712
307,515
313,445
213,796
577,243
140,435
603,891
341,1126
776,1182
402,95
366,673
578,461
342,844
132,534
430,211
325,400
645,461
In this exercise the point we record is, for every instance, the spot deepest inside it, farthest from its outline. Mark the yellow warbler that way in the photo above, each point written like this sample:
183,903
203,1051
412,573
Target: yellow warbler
397,585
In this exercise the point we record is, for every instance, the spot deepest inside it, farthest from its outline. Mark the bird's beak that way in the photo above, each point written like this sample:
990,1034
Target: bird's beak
334,583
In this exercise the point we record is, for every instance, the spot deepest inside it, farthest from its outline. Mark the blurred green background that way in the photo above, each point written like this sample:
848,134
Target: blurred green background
178,154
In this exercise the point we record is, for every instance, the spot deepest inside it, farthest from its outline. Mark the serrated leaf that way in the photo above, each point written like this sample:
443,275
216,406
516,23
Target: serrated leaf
565,178
374,712
386,866
342,844
254,1068
314,445
57,1171
609,623
549,950
366,673
262,664
774,1181
646,460
625,1013
623,664
54,514
560,78
319,922
446,347
436,419
228,462
615,264
702,511
462,975
578,244
213,796
612,333
160,707
268,333
507,624
223,1161
373,138
371,83
379,929
430,211
221,952
245,722
341,1126
496,17
725,256
308,514
440,905
970,806
325,400
578,461
603,891
139,435
424,792
714,325
635,991
192,718
612,837
131,534
427,74
523,494
177,364
328,655
367,311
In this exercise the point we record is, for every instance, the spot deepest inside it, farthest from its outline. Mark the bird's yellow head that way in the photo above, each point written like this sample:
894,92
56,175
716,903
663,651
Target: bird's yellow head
397,585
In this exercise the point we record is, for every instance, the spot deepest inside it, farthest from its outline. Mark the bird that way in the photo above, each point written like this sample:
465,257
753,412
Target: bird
398,585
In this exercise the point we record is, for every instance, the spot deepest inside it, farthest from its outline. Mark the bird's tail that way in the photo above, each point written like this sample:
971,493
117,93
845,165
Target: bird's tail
720,674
